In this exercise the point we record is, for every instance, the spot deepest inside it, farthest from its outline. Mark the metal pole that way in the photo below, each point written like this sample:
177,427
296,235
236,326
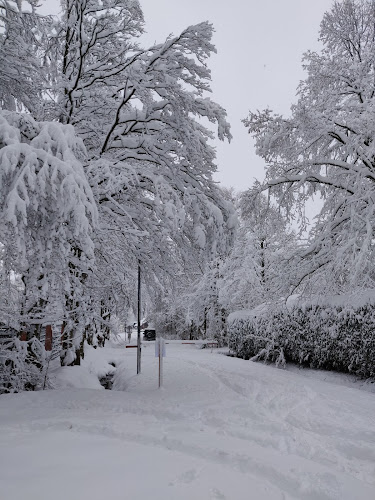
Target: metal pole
139,321
160,343
161,363
160,358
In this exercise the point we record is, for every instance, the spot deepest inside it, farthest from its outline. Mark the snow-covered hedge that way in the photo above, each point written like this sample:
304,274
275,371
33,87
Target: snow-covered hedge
330,337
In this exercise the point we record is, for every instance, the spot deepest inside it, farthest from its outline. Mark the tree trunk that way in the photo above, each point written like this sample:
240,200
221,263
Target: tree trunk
48,339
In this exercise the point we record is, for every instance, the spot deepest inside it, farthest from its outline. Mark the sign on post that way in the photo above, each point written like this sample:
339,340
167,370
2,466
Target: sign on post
160,347
160,353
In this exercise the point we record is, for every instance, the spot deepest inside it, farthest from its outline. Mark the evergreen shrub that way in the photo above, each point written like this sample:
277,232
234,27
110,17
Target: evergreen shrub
21,365
326,337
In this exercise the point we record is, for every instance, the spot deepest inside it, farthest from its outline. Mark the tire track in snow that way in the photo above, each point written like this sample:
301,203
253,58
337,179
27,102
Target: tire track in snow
278,425
293,481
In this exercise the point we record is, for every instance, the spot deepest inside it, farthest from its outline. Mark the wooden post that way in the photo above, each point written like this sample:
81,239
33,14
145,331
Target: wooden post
48,341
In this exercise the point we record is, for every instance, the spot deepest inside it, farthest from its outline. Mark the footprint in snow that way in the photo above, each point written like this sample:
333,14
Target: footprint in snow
216,494
187,477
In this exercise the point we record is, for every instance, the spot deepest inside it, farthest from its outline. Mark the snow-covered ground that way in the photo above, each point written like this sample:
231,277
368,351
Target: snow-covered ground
220,428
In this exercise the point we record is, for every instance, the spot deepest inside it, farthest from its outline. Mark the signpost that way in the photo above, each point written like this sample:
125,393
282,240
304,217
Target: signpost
160,353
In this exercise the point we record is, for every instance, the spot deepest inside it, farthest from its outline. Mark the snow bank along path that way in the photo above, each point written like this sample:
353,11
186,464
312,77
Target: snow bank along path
220,428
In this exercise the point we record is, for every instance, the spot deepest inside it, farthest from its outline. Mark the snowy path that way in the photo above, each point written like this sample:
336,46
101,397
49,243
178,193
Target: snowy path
221,428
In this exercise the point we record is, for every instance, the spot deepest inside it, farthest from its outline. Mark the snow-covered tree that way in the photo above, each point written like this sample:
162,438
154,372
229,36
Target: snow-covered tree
255,270
109,127
21,78
47,217
139,113
190,307
326,147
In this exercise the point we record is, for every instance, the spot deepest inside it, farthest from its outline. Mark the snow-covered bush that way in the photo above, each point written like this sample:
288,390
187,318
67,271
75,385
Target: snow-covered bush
333,337
21,365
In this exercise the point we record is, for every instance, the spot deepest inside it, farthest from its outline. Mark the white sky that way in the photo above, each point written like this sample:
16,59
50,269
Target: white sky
260,45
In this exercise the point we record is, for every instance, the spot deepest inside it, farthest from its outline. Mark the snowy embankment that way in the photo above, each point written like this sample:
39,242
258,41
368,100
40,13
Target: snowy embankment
220,428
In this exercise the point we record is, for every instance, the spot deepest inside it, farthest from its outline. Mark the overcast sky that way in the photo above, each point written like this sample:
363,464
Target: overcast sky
260,45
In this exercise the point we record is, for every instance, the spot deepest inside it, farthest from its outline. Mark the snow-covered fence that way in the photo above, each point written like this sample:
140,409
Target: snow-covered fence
334,337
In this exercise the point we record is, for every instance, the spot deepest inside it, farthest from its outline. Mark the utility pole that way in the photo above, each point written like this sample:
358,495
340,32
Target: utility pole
139,321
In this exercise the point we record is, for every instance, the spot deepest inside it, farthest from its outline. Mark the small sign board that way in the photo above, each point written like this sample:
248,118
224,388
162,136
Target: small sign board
159,347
